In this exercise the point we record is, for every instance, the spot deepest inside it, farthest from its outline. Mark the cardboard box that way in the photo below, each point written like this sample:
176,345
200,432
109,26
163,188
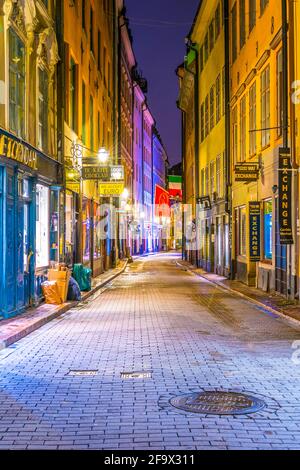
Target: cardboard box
62,278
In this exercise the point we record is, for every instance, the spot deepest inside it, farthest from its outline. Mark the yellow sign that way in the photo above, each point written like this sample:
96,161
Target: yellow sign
75,187
17,151
111,189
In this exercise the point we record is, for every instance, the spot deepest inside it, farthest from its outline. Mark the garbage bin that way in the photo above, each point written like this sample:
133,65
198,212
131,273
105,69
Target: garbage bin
83,276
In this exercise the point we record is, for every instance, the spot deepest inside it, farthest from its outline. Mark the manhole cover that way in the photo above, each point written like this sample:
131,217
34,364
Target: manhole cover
83,372
136,375
218,403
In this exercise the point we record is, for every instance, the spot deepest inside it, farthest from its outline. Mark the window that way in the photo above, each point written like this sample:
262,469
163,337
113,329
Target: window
242,24
92,31
83,114
217,22
206,116
206,48
265,107
201,59
99,50
206,182
235,135
212,107
91,123
218,99
212,178
16,84
43,109
83,13
263,4
202,122
42,226
211,36
268,223
279,94
73,95
243,129
234,32
218,176
252,120
202,182
252,14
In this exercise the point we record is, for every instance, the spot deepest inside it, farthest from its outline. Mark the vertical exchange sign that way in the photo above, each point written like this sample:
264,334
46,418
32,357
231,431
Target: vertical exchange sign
285,197
254,230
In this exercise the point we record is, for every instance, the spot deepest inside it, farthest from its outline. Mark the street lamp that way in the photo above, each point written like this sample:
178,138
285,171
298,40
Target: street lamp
103,155
125,194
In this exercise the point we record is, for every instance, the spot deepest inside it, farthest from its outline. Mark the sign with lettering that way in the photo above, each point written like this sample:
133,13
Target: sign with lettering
96,173
285,197
246,172
18,151
111,189
254,230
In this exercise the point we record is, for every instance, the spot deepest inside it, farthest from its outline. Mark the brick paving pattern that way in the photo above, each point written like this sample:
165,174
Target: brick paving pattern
157,318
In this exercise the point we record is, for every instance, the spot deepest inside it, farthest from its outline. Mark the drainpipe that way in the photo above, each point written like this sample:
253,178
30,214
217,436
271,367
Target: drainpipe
294,163
197,137
227,178
60,125
285,118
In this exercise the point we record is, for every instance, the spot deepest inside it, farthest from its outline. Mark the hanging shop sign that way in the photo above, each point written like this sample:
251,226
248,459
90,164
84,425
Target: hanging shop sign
285,197
103,173
96,173
111,189
74,187
246,172
204,202
254,230
18,151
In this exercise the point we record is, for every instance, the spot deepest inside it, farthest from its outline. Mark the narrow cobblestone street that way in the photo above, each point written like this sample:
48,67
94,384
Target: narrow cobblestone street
157,318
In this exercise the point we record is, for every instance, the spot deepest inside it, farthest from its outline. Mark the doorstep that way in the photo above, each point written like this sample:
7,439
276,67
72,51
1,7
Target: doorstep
288,310
14,329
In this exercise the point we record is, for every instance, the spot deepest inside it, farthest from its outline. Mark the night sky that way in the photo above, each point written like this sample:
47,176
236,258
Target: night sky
159,28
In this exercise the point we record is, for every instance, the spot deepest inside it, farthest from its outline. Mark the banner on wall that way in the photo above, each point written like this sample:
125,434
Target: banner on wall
285,197
254,230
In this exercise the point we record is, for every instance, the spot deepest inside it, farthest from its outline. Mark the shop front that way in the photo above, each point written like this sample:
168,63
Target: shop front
30,228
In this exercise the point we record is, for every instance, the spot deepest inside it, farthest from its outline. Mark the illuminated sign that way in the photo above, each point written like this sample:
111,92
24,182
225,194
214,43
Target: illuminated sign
254,230
285,197
15,150
111,189
96,173
246,172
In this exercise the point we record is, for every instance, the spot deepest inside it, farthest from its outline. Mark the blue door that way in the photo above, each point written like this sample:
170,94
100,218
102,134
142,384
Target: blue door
9,244
1,242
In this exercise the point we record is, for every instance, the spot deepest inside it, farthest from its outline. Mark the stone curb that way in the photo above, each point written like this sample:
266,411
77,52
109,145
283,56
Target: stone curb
278,313
58,312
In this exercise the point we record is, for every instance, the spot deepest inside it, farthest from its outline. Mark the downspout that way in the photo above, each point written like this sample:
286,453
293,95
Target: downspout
197,139
285,118
227,176
295,183
60,90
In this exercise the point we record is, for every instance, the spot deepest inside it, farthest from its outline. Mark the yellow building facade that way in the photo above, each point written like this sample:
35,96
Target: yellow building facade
256,137
208,33
88,123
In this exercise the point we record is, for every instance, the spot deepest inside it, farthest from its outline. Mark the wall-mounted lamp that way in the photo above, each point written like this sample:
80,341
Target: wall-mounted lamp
274,189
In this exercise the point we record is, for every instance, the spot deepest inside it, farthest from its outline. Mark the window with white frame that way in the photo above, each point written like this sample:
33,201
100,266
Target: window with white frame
252,120
265,107
43,109
243,140
16,84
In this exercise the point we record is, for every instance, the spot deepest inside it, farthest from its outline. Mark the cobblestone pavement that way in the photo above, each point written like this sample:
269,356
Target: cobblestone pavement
158,318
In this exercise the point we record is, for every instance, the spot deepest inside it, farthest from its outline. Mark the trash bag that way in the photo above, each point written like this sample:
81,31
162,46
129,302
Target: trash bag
51,293
74,290
83,276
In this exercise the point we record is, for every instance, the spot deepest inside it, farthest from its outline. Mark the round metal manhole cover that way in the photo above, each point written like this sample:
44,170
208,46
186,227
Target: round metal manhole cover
218,403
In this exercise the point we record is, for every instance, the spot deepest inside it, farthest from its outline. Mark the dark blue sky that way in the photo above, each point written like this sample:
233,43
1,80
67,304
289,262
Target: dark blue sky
159,28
